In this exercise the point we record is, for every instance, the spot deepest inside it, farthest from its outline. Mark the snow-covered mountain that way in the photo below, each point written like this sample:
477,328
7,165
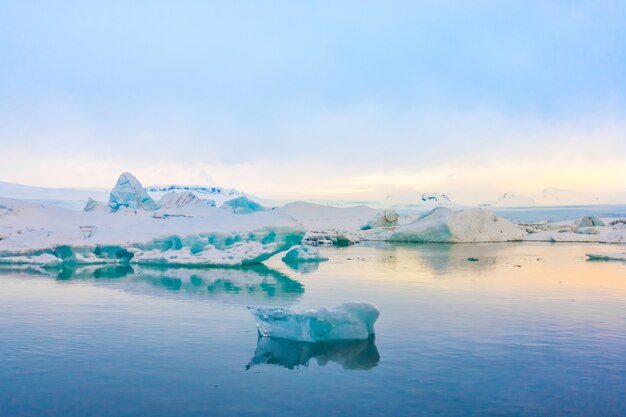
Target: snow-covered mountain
414,198
218,194
72,198
561,197
513,200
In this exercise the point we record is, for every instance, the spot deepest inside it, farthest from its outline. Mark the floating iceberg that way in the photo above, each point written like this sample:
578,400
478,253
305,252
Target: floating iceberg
350,354
242,205
607,256
129,193
348,321
303,253
191,237
447,226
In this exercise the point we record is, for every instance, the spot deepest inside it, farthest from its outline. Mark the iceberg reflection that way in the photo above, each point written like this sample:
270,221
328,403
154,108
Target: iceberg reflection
350,354
303,267
240,284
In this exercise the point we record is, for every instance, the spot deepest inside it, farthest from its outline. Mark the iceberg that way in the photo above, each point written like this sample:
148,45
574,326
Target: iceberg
93,205
129,193
590,221
350,321
443,225
386,218
303,253
607,256
290,354
198,237
242,205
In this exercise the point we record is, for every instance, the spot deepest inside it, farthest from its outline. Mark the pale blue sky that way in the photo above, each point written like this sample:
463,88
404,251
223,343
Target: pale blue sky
315,98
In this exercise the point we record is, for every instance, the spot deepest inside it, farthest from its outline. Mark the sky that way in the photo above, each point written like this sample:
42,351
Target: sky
339,100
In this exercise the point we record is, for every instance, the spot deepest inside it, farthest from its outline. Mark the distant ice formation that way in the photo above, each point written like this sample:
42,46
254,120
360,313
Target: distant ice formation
93,205
174,200
242,205
129,193
303,253
607,256
416,199
447,226
134,230
590,221
350,321
513,200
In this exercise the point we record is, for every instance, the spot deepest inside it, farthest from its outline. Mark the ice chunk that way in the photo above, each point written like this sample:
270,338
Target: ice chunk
350,354
607,256
93,205
384,218
129,193
590,221
348,321
447,226
303,253
330,238
242,205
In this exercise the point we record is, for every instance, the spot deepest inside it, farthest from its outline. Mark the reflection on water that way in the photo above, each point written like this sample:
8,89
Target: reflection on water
350,354
257,281
443,258
303,267
252,280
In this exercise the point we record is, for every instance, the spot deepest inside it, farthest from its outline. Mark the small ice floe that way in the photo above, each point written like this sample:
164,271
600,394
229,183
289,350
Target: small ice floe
303,253
607,256
349,321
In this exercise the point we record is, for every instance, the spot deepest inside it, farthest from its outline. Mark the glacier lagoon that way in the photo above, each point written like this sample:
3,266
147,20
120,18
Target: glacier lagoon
527,329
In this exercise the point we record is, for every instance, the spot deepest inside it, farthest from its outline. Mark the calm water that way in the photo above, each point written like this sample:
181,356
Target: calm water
528,330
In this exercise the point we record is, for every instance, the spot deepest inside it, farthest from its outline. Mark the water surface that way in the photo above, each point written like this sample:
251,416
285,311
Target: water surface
529,329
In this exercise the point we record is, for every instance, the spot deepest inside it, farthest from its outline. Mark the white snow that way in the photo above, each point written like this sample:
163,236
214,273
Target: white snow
350,321
318,217
445,225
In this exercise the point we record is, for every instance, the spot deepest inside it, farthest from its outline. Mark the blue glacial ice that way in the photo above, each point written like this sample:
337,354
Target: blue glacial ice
349,321
129,193
242,205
